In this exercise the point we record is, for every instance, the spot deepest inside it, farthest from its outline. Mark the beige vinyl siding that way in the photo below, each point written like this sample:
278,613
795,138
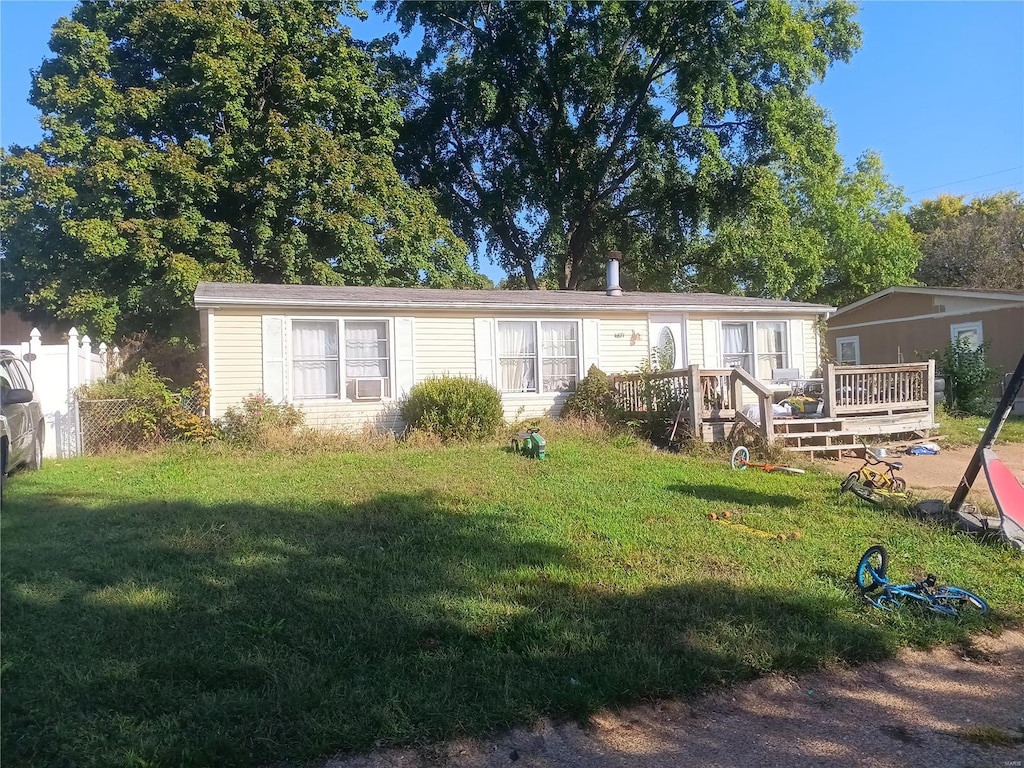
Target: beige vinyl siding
517,407
353,417
695,340
237,358
621,352
812,358
444,345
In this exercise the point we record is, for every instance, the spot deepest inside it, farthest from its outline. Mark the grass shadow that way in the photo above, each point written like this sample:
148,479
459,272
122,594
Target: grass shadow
735,495
171,632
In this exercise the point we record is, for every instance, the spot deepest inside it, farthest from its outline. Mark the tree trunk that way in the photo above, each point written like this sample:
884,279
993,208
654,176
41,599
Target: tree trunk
579,235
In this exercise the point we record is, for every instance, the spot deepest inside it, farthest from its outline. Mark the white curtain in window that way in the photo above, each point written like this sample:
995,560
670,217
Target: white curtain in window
735,338
561,356
517,351
315,371
736,350
366,350
771,348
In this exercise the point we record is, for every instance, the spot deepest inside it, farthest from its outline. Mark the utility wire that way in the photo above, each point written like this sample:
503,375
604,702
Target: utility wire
961,181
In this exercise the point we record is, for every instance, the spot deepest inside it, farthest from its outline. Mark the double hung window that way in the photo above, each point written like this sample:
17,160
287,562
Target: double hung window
552,365
323,368
848,350
970,332
758,347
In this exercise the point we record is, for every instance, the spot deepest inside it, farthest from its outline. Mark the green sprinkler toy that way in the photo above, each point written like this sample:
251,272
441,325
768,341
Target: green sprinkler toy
529,443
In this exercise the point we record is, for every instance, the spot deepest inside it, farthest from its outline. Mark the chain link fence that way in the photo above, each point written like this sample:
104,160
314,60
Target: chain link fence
104,426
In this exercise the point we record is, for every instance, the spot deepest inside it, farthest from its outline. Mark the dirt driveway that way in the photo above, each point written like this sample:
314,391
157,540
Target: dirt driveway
936,477
946,708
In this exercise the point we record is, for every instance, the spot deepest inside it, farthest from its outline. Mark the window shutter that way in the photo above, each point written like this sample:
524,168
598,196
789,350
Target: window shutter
483,328
712,344
796,346
591,345
405,357
273,358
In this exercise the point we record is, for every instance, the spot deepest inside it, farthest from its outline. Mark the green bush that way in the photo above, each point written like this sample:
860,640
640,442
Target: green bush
593,398
258,419
129,410
968,376
453,408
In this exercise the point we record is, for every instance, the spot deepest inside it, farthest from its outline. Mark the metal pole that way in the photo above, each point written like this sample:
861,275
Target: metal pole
996,423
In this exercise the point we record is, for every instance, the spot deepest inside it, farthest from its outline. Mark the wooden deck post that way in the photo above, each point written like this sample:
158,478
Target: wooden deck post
828,392
929,389
696,404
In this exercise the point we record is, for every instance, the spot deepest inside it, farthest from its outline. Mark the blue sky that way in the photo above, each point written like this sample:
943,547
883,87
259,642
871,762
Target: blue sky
937,90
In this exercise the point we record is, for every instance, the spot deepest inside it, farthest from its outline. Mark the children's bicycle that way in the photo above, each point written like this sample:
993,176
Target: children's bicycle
740,459
874,585
876,473
880,497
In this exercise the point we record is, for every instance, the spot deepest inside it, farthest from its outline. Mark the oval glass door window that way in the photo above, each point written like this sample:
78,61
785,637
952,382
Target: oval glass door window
667,348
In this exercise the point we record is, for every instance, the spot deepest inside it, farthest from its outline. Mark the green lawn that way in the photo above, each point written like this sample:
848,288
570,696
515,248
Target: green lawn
196,608
969,429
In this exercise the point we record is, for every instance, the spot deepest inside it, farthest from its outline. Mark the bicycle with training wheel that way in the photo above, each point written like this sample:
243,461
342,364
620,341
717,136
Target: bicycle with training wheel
880,497
873,581
877,473
740,459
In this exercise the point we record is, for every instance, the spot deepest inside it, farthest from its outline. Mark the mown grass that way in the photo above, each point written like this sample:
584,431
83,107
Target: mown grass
967,430
198,607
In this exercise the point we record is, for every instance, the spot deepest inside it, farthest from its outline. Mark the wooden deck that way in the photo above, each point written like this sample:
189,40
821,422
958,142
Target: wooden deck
855,402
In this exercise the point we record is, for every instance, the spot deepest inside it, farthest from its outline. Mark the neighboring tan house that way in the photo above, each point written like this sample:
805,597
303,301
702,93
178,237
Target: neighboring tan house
904,324
347,354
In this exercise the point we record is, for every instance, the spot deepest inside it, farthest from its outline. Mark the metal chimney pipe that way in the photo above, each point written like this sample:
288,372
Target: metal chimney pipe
612,274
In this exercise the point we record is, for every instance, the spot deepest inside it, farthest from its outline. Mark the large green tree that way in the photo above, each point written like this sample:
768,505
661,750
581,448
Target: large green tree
833,239
214,140
979,244
557,130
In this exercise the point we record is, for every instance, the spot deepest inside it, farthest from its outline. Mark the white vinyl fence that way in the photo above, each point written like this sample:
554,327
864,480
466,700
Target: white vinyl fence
57,371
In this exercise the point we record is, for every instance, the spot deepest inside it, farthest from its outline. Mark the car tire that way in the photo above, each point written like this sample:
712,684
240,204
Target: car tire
35,461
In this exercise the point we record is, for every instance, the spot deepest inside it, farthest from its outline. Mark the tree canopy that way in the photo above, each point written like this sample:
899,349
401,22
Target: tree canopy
832,239
558,130
979,244
227,140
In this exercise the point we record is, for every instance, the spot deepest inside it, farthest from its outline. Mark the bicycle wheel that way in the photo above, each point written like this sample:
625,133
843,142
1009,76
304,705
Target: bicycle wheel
958,602
872,568
739,456
867,494
899,484
849,482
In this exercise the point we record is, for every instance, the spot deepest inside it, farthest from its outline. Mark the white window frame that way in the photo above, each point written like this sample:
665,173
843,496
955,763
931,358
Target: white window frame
342,378
539,358
840,340
955,329
755,354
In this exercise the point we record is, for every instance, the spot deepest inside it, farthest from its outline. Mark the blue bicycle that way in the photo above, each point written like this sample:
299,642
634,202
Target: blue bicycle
876,589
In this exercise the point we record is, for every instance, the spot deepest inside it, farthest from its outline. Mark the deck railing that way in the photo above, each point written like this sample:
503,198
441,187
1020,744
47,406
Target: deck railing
860,390
697,394
650,392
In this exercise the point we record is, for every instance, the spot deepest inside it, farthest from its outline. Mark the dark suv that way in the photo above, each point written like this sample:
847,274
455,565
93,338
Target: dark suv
22,429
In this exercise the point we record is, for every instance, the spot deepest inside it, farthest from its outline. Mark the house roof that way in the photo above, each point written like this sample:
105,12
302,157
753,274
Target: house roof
964,293
318,296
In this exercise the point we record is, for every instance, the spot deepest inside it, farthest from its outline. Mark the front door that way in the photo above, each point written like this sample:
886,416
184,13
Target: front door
668,341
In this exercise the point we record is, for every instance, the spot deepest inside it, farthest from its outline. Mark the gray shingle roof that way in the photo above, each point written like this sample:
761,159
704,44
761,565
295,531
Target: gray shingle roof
248,294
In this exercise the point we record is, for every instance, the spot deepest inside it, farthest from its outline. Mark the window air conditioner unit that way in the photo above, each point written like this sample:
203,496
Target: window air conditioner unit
369,389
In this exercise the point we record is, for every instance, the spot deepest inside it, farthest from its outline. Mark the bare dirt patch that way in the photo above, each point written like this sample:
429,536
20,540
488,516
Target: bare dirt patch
937,477
945,708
